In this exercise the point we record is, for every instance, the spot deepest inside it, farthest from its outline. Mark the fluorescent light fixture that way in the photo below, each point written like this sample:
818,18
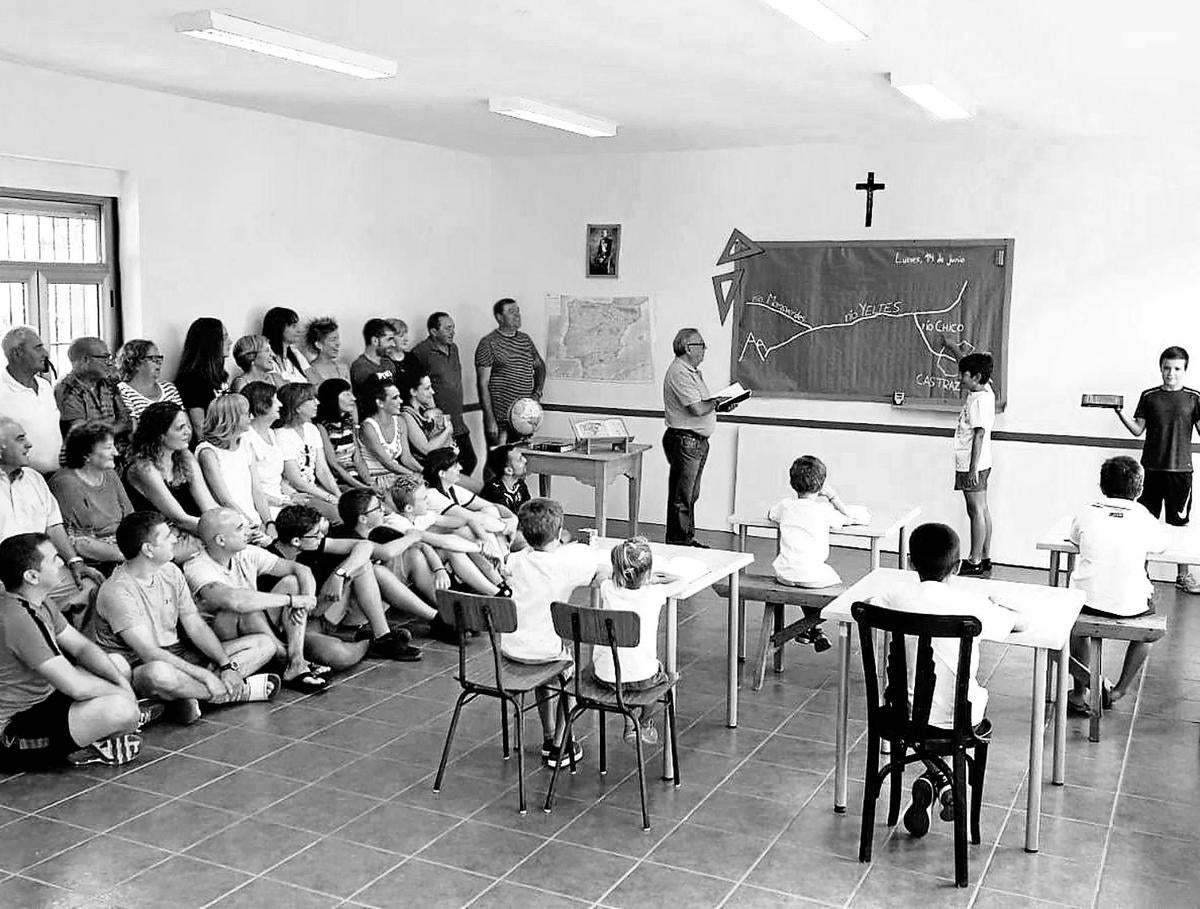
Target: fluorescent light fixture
233,31
930,97
557,117
820,20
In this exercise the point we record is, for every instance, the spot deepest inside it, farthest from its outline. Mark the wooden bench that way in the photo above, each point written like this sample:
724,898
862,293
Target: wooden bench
774,596
1139,629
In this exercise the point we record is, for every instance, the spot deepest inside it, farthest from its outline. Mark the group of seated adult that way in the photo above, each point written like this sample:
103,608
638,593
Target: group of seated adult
189,534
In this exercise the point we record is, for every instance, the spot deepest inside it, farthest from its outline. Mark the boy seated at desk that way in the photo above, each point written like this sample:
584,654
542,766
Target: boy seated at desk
1114,535
934,555
804,524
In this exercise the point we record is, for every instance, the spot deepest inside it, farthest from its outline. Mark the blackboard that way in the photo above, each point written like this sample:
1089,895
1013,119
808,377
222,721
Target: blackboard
864,320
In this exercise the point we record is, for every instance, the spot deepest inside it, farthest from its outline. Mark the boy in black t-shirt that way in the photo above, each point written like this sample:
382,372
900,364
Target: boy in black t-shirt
1166,415
506,467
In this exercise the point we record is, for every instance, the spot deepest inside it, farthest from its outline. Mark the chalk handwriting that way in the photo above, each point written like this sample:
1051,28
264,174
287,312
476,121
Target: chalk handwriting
929,258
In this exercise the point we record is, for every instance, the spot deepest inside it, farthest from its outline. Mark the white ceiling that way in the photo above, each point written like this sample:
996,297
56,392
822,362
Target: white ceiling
676,74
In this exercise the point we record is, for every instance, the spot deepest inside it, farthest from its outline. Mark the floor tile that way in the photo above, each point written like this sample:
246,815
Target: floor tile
245,791
1042,876
1057,836
704,849
747,897
744,814
651,885
175,825
481,848
374,777
252,845
885,887
463,795
430,886
405,712
1120,891
356,734
31,791
32,839
397,828
1132,853
238,746
96,865
819,876
612,830
104,806
297,721
506,895
179,882
305,761
175,774
996,899
776,782
264,892
1154,816
572,870
317,808
335,866
23,892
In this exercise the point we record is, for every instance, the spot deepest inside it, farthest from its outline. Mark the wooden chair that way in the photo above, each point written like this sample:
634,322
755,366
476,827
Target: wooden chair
582,625
905,724
499,678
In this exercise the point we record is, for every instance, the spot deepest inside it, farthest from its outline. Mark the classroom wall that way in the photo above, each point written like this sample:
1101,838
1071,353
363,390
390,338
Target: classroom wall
227,212
1105,275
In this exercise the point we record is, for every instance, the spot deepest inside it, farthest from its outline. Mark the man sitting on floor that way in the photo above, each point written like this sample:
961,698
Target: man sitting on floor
140,613
59,692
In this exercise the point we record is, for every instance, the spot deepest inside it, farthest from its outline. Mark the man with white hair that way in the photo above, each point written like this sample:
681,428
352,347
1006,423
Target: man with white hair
89,391
27,506
28,398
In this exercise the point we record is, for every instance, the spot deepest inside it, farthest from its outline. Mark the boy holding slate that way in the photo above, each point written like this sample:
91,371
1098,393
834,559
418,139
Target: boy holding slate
1166,415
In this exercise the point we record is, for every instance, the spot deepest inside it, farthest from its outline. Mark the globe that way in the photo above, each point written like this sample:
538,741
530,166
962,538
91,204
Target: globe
525,416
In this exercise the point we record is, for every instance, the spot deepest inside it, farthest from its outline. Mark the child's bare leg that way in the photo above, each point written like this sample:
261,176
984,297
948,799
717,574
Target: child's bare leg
396,594
1135,656
419,573
980,519
547,701
368,600
293,622
474,576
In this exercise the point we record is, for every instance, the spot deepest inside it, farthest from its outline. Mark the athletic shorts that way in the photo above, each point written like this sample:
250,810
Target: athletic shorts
1169,489
38,735
960,480
633,687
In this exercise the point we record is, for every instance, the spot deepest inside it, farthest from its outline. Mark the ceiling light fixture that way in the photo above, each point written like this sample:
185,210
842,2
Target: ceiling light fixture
924,92
820,20
556,117
233,31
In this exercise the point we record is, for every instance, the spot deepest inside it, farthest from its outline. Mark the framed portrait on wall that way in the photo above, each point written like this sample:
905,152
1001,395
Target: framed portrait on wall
603,250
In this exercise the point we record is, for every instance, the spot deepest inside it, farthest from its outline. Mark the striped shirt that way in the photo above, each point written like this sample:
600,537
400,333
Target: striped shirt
136,402
513,360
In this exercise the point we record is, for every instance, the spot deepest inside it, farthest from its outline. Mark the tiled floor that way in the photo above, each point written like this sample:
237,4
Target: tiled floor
326,801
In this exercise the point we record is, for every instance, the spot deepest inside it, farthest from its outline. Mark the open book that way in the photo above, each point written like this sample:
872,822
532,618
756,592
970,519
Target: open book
730,396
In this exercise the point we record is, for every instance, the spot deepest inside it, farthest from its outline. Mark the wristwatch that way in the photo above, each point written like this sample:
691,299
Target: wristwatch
341,574
232,664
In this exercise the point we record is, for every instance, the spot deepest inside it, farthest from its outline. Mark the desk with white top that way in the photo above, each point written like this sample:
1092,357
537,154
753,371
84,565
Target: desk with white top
1051,612
718,564
884,522
1183,548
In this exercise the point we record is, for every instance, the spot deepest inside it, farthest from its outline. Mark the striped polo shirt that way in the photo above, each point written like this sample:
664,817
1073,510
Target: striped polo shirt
512,360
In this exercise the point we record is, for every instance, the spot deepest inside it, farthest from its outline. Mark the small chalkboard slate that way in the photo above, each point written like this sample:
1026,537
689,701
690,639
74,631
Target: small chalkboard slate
1116,402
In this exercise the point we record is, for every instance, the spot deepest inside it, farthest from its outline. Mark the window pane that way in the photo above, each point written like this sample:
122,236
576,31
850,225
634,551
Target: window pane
14,307
26,237
74,313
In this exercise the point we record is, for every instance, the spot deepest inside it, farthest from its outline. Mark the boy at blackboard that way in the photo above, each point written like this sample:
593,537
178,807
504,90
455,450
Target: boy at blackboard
973,457
1166,415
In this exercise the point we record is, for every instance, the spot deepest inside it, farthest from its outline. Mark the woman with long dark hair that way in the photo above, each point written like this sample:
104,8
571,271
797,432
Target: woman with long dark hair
281,327
202,374
163,475
337,422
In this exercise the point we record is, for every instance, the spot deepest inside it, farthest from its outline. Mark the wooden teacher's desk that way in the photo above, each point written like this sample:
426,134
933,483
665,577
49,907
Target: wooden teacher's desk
596,469
1051,612
1183,548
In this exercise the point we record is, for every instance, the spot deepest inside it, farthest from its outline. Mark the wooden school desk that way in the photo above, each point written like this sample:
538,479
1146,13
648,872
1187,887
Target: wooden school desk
1051,612
1183,548
597,470
718,564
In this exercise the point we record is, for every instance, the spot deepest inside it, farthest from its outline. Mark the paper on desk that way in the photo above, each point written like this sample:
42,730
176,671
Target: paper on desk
679,568
857,514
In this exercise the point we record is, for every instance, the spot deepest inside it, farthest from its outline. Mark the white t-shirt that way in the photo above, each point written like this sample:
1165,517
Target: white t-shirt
641,662
37,413
1113,536
979,411
235,466
438,501
266,457
537,579
302,446
804,525
403,523
936,598
242,573
26,504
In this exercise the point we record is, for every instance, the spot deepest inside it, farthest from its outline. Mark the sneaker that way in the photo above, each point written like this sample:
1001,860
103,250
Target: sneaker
185,711
968,569
149,710
820,642
114,751
441,630
649,734
1188,583
552,756
920,813
947,799
985,564
391,646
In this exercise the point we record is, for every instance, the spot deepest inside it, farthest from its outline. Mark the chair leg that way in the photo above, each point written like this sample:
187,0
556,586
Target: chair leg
568,738
764,645
603,742
458,705
504,727
519,729
870,793
777,623
978,768
960,818
896,795
1095,689
637,737
671,729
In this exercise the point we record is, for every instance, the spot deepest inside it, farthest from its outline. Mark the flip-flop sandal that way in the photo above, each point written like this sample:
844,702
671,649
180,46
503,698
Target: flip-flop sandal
319,670
306,683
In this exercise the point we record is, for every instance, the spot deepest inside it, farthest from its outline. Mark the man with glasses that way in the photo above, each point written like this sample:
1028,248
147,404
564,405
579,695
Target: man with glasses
691,415
89,391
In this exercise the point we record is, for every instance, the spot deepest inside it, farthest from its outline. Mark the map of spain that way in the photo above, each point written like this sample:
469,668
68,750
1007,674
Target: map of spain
598,339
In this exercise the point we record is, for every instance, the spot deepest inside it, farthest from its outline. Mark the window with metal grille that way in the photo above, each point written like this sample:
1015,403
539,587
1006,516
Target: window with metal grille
58,268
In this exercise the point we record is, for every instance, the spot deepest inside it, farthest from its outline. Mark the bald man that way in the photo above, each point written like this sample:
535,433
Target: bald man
89,391
223,578
28,398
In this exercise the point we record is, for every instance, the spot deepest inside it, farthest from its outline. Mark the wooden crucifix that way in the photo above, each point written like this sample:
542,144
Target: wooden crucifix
870,187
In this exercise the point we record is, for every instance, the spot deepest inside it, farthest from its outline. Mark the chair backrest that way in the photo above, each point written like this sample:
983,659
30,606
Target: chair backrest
895,716
611,628
466,612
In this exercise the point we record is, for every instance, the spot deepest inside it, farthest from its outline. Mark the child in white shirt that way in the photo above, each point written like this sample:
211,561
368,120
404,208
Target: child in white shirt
804,524
1114,536
627,590
973,457
934,554
546,571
